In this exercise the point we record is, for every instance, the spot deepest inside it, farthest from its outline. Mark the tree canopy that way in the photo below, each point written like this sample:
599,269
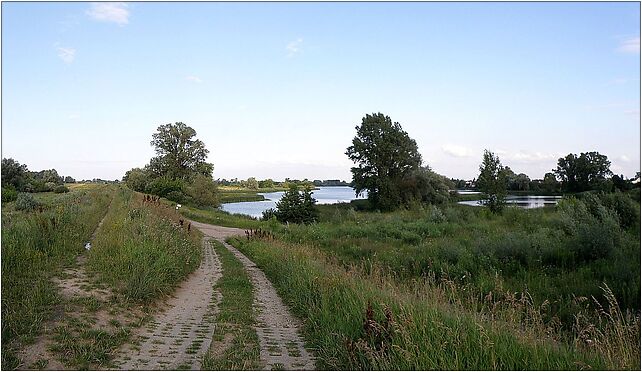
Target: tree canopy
492,182
385,155
589,171
179,154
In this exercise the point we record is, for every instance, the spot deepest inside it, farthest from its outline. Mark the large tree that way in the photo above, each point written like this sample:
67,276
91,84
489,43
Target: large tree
179,154
14,174
385,155
589,171
492,182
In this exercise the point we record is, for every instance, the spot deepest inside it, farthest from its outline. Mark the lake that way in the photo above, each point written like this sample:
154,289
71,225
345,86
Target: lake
324,195
527,202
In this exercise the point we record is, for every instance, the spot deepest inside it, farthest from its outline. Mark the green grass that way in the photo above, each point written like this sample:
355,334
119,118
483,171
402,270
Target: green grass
35,246
218,217
359,321
141,251
235,319
230,194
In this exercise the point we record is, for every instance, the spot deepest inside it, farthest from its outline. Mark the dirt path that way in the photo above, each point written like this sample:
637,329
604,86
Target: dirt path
178,337
282,346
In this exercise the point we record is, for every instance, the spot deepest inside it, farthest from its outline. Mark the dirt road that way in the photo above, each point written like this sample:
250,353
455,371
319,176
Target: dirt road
282,346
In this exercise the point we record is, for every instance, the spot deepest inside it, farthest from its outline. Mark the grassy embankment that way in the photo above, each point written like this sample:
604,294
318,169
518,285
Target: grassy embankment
35,247
513,291
138,253
235,337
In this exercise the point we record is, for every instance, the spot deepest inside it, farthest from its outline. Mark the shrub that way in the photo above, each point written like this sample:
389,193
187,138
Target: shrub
268,214
9,194
175,196
49,186
204,192
163,186
60,189
26,202
435,214
296,207
624,206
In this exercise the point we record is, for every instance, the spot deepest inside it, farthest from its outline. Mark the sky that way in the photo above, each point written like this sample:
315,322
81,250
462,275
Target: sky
275,90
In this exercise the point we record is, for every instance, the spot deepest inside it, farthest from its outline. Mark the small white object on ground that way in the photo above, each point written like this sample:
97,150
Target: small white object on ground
178,206
88,246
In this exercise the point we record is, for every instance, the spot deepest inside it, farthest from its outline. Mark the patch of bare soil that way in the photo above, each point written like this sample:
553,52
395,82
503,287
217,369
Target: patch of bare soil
282,347
180,335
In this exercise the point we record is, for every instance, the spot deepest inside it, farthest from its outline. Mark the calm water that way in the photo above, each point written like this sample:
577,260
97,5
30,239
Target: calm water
527,202
324,195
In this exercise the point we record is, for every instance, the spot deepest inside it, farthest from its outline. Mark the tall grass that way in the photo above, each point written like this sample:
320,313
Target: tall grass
356,320
35,245
141,250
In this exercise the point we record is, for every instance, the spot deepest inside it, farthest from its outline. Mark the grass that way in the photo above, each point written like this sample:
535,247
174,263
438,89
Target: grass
359,321
35,246
141,250
235,320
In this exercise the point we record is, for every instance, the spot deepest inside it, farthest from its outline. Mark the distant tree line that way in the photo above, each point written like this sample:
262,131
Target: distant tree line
179,171
17,178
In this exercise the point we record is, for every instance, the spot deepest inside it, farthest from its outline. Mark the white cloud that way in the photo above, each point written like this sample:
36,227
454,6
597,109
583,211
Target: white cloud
630,45
456,150
66,54
194,79
624,158
534,157
294,47
109,12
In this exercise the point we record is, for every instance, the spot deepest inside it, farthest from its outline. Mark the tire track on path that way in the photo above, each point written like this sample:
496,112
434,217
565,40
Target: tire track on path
282,346
179,336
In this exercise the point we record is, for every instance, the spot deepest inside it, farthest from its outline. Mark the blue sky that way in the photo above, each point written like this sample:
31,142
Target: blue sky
276,89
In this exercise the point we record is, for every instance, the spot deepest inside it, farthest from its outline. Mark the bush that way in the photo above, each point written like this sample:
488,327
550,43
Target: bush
624,206
296,207
176,196
60,189
163,186
268,214
26,202
204,192
9,194
435,214
49,186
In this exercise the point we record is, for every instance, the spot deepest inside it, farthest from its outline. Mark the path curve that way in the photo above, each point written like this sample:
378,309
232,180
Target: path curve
180,336
282,346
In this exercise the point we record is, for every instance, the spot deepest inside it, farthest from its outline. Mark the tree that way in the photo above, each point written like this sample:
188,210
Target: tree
385,155
492,182
179,154
550,183
295,207
266,184
69,179
136,179
14,174
425,186
203,191
589,171
252,183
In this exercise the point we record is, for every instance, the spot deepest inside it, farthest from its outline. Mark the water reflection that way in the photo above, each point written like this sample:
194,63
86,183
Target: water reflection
526,202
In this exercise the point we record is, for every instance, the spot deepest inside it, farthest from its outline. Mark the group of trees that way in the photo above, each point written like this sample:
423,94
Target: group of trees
16,177
390,167
179,171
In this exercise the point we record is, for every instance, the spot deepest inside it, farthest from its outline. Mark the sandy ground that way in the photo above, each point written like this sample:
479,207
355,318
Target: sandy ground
278,330
179,336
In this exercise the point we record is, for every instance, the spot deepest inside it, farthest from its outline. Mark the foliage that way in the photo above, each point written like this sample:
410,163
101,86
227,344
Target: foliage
163,186
492,182
69,179
136,179
251,183
424,186
385,155
14,174
203,191
268,214
9,194
589,171
179,154
296,207
26,202
60,189
176,196
265,184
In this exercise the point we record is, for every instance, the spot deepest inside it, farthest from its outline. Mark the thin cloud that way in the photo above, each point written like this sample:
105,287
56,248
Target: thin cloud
294,47
194,79
532,157
67,54
624,158
630,45
456,150
109,12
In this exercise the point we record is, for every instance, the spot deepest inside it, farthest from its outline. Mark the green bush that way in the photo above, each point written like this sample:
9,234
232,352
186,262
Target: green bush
296,207
626,209
163,186
60,189
9,194
176,196
26,202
